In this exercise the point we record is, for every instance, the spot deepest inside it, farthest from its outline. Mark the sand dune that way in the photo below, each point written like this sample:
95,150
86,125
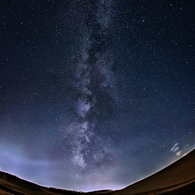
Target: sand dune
178,178
178,175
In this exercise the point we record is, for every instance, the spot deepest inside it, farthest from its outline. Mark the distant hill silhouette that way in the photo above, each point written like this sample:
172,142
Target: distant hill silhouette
176,179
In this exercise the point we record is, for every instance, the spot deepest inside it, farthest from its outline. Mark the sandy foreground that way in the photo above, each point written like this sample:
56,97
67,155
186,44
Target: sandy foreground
175,177
178,178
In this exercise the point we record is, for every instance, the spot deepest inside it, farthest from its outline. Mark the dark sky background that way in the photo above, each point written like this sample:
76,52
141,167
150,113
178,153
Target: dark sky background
95,94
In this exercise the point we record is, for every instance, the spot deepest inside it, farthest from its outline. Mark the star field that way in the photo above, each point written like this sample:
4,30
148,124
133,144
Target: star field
95,94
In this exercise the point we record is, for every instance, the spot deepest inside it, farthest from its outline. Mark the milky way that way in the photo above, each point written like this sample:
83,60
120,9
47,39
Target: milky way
93,82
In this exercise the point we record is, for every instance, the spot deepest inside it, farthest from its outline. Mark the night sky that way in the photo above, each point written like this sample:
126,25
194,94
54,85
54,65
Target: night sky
95,94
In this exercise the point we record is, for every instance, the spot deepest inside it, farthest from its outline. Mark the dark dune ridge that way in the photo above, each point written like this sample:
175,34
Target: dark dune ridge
178,178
